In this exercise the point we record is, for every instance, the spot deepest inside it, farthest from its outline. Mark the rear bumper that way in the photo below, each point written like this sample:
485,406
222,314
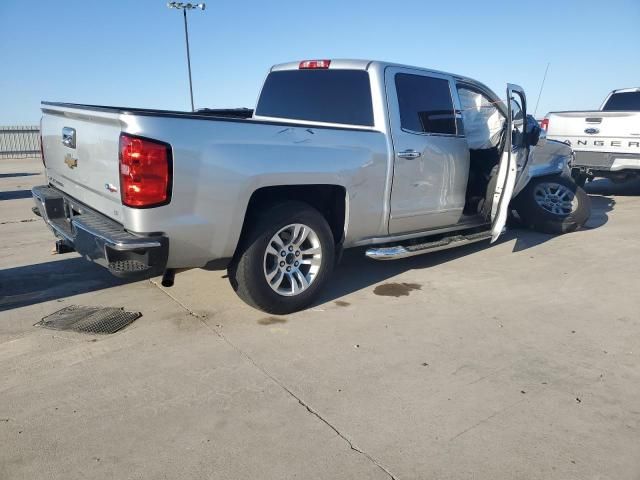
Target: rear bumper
606,161
100,239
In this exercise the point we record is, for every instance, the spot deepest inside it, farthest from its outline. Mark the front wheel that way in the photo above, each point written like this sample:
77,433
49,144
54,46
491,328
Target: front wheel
284,260
553,205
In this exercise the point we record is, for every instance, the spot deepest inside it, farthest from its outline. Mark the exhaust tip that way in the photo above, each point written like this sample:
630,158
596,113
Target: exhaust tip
168,278
63,247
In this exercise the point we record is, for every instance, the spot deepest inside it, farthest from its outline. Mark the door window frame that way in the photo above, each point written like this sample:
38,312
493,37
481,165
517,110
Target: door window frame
491,97
392,101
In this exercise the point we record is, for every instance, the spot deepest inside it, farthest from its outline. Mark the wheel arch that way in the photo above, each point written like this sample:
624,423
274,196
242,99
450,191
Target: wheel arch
329,199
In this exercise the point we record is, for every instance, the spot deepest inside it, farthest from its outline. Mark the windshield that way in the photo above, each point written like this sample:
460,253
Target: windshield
623,102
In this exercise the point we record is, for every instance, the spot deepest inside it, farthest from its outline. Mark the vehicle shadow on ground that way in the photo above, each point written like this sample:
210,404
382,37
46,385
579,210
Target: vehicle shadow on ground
603,186
20,174
600,207
357,272
32,284
15,194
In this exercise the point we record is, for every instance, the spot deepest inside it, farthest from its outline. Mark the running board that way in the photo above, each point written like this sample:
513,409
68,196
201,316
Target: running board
402,251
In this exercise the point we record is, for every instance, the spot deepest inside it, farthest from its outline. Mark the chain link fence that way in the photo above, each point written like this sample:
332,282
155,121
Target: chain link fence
19,141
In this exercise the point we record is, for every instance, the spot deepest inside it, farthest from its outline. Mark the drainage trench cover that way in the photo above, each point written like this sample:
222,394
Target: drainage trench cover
99,320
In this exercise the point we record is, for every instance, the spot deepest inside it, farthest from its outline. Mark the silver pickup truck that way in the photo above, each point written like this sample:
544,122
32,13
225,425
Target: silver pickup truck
337,154
606,142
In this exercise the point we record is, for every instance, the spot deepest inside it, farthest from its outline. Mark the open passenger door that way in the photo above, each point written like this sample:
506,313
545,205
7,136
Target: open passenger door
513,159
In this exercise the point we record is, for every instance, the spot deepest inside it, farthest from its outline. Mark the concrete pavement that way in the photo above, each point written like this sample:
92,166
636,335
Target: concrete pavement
515,361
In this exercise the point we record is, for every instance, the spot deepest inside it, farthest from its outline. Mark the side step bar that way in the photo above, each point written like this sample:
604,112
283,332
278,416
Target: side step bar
402,251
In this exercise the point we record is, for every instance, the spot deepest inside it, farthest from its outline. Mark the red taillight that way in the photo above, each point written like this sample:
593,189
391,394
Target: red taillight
145,172
544,124
314,64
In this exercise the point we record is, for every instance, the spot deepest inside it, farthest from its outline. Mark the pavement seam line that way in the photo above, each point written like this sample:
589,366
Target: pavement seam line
300,401
309,409
27,220
486,419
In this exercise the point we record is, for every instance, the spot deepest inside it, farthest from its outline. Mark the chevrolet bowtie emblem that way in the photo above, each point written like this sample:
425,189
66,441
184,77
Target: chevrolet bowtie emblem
70,161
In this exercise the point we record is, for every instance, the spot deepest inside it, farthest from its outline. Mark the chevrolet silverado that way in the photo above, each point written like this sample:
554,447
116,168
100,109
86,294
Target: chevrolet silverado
337,154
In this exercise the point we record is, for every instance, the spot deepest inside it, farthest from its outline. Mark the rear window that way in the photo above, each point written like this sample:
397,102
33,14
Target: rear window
623,101
333,96
425,104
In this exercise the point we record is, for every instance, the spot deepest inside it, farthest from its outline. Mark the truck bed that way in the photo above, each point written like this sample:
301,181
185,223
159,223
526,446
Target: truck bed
218,159
603,140
224,114
598,138
240,113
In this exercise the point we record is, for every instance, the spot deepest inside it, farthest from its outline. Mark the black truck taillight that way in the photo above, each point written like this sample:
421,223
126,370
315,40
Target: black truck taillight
42,145
145,172
42,151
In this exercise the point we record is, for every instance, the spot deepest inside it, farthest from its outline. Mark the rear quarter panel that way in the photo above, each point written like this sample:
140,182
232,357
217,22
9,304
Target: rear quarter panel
219,164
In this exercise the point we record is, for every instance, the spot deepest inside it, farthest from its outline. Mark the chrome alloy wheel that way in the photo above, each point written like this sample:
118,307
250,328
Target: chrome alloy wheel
292,259
555,198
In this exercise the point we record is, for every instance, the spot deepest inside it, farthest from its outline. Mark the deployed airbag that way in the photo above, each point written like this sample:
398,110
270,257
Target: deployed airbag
483,121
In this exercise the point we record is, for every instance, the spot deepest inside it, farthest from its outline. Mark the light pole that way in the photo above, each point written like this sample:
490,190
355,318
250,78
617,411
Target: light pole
184,7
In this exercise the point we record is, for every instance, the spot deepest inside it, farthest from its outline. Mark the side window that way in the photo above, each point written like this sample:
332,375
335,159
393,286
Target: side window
425,104
483,121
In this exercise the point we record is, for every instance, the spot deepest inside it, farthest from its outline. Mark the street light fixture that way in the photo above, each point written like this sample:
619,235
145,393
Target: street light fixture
184,7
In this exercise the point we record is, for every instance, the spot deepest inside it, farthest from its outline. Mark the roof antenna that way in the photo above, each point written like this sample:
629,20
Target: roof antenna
541,87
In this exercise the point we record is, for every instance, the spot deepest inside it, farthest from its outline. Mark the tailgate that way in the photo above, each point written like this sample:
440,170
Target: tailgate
597,131
81,156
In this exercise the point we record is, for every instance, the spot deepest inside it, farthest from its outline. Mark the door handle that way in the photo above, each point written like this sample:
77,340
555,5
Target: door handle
409,154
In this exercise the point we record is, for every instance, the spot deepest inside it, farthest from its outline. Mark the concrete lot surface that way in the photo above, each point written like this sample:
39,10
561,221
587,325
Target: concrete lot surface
519,361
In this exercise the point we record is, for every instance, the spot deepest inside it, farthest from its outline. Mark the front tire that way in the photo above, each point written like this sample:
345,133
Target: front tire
284,260
553,205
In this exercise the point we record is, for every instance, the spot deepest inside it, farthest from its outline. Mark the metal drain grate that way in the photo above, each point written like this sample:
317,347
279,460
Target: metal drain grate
100,320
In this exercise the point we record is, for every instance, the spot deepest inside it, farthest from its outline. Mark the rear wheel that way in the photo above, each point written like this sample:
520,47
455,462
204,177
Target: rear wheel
284,260
553,205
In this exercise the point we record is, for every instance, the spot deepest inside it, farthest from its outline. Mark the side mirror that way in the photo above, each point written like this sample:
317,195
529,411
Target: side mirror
536,136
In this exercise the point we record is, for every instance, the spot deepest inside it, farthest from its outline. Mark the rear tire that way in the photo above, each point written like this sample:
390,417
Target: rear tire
553,205
284,260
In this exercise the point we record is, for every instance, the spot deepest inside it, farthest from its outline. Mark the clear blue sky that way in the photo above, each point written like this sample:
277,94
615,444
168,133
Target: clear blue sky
131,52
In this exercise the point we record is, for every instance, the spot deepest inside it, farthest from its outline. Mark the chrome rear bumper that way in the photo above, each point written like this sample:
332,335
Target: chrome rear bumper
98,238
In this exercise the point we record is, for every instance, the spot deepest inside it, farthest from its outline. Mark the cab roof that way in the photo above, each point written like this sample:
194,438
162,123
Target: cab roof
354,64
360,64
